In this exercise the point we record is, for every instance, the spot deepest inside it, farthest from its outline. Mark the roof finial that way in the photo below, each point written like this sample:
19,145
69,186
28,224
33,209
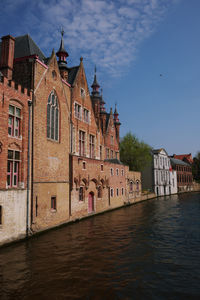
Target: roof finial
62,31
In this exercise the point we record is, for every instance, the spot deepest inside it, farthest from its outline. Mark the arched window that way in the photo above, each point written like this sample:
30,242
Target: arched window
53,117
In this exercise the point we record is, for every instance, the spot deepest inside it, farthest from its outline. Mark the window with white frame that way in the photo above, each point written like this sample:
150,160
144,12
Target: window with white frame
14,120
13,165
53,117
92,148
86,115
117,172
122,172
77,110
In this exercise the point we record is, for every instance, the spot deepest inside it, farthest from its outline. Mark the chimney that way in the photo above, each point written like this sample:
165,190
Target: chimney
7,56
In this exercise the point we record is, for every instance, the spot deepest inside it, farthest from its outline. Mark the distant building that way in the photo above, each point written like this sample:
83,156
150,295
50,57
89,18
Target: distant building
184,174
184,157
157,176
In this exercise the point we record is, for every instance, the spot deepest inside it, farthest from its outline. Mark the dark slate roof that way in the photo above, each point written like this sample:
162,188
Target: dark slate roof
175,161
25,46
72,74
114,161
107,119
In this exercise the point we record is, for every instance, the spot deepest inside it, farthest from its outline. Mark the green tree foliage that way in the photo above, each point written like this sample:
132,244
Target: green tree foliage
196,167
134,153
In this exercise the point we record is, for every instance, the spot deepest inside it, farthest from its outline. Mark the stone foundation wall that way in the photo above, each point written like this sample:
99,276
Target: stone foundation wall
13,205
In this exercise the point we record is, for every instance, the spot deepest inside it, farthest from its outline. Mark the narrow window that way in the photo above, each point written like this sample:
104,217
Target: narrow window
122,191
111,171
117,172
53,117
117,192
81,143
1,212
53,202
107,153
84,165
111,140
81,193
100,150
14,121
99,192
101,167
131,186
77,111
82,93
122,172
86,115
92,146
111,154
36,206
111,192
13,164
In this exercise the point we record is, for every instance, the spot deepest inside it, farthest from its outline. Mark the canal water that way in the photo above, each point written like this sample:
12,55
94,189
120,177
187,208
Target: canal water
147,251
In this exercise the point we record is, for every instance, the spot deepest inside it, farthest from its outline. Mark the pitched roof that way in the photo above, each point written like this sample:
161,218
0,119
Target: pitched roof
175,161
72,74
156,151
188,157
25,46
114,161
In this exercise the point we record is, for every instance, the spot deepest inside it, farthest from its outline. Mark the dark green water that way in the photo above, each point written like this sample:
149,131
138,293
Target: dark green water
147,251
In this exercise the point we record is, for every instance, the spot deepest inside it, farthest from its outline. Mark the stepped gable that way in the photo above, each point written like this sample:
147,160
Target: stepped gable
25,46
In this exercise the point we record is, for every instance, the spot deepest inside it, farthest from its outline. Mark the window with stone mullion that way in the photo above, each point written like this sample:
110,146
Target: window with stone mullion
53,117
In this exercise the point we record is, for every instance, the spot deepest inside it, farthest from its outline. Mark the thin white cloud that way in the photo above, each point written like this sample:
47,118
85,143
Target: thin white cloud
107,33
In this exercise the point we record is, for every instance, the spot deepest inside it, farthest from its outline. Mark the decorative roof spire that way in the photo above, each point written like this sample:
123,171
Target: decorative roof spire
95,86
116,115
62,53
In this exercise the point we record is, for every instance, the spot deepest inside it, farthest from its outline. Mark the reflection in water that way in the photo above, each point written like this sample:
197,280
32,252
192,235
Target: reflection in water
146,251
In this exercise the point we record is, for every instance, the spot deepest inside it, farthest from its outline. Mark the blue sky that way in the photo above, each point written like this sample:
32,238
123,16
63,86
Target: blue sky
147,54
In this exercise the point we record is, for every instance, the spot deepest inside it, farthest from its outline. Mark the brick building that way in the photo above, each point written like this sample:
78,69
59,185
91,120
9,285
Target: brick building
15,120
72,164
184,174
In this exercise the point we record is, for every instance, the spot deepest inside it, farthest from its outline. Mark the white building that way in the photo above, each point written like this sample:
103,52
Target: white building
158,176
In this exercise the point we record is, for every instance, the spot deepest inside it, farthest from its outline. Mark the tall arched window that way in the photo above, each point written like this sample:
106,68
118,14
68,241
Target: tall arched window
53,117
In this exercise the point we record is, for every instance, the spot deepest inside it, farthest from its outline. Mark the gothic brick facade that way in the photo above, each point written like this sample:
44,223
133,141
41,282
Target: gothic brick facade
72,161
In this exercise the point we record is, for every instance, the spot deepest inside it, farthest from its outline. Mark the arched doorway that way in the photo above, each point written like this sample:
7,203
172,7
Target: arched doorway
91,202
